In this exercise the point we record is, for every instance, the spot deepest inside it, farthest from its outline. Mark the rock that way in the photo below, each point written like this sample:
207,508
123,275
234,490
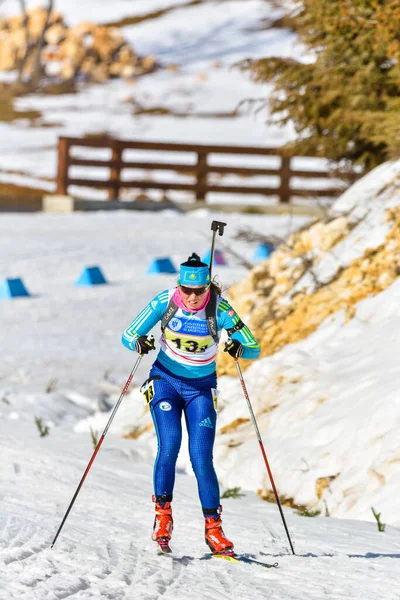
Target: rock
126,55
88,65
115,69
148,63
14,22
16,39
106,42
99,73
82,29
8,56
55,34
67,71
127,71
97,52
322,236
51,53
73,50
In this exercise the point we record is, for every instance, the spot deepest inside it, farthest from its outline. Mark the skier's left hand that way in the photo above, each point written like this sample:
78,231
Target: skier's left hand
234,348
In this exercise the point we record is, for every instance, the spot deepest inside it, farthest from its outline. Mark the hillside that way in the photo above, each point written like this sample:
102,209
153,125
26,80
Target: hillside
331,266
324,307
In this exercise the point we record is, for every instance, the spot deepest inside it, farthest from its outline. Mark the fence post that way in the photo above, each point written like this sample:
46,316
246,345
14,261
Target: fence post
115,170
201,176
285,173
62,166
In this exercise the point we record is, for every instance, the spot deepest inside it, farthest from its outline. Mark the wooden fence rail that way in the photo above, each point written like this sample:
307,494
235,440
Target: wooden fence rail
198,170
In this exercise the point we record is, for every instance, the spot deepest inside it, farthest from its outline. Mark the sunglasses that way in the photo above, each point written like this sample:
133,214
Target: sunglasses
196,291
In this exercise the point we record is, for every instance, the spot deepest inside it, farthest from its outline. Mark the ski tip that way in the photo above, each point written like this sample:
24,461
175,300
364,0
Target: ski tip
242,558
164,549
228,557
163,546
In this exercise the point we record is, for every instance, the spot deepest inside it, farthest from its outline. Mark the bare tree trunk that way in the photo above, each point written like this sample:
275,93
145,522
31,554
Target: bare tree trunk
25,23
37,66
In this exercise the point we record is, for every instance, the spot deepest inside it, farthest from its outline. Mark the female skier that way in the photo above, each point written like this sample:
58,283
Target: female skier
183,378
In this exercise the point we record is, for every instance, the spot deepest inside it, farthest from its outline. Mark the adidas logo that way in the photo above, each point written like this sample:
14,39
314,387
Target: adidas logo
206,423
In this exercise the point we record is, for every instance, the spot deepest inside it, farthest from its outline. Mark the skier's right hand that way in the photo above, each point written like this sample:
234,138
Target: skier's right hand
144,344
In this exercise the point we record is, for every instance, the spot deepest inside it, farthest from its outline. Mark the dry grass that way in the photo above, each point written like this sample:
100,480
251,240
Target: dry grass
136,432
139,110
234,425
7,111
19,197
151,15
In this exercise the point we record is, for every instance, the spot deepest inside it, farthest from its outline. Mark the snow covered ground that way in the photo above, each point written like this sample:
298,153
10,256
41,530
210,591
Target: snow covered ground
123,243
62,360
105,551
66,339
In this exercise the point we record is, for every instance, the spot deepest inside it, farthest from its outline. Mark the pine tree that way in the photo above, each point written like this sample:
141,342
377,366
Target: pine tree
345,105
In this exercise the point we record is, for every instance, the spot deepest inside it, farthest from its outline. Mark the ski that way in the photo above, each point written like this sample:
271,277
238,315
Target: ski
241,558
164,548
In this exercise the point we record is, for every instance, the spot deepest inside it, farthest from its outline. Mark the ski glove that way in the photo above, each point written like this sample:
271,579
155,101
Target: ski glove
144,344
234,347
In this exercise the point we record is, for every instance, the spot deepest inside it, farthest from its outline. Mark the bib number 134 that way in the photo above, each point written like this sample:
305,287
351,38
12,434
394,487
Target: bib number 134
189,345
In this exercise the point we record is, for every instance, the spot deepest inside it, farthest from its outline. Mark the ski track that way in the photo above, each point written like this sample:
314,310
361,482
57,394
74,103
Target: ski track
108,554
116,571
124,570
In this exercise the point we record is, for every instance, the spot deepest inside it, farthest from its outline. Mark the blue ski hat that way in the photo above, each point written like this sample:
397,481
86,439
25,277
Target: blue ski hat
193,272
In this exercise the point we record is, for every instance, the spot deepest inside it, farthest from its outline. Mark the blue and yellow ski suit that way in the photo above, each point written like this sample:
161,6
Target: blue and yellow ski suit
183,380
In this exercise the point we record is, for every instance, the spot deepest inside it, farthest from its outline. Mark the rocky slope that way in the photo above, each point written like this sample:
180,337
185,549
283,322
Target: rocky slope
327,267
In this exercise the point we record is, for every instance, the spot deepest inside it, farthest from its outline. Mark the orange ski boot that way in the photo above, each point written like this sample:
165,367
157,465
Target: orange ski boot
215,537
163,524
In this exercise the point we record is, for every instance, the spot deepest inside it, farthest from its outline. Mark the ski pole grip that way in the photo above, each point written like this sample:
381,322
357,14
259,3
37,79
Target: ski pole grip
149,338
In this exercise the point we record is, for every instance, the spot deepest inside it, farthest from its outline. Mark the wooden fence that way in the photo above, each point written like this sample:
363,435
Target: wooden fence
198,170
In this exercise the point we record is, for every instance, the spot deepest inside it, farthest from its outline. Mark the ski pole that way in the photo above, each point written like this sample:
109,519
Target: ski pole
99,443
253,418
215,226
